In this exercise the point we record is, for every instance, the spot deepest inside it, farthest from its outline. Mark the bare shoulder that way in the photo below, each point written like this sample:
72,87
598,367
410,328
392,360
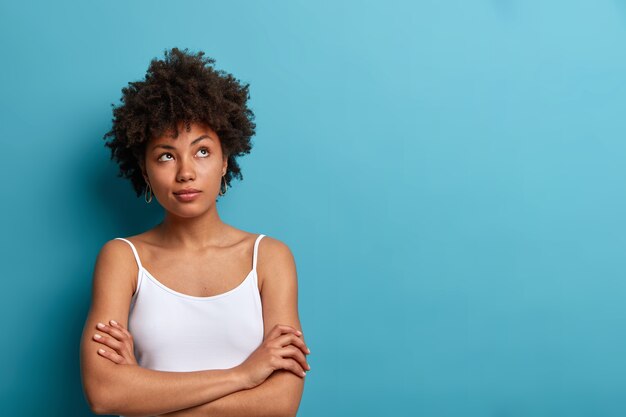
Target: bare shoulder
275,261
114,247
274,250
115,267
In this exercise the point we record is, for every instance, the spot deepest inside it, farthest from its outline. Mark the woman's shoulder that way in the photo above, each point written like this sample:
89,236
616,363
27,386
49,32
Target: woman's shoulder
116,244
274,256
274,246
118,248
268,246
275,264
121,246
117,262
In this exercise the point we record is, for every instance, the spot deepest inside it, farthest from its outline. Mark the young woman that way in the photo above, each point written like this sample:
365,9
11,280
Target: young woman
210,311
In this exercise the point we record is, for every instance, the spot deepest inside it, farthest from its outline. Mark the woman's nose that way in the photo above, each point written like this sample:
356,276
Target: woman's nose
185,170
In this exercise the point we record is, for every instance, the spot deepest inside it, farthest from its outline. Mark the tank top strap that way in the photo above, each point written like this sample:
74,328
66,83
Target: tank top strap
256,250
134,251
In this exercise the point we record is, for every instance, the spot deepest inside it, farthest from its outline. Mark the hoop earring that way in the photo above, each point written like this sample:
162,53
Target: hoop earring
148,188
225,186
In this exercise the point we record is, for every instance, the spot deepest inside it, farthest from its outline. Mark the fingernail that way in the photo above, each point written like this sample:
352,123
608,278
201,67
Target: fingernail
100,325
113,322
299,333
97,336
308,350
101,350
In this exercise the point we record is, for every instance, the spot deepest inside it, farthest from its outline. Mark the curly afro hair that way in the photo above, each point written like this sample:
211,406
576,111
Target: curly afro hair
182,88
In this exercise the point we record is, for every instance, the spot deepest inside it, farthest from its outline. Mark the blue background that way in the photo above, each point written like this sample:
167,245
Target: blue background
448,174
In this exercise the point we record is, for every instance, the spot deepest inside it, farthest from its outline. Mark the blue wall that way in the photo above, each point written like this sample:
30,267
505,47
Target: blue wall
449,175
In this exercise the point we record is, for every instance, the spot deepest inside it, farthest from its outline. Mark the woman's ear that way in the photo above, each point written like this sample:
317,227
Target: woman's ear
142,166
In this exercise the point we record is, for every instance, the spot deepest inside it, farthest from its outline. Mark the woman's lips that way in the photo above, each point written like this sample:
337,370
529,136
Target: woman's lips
187,190
187,195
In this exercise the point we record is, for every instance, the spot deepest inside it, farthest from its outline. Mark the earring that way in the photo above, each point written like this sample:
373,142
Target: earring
225,186
148,189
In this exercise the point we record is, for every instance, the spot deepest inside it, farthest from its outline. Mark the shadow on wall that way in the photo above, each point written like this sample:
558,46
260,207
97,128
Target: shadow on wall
98,206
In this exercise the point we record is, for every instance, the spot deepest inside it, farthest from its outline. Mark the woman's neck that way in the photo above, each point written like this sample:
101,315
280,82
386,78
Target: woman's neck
194,232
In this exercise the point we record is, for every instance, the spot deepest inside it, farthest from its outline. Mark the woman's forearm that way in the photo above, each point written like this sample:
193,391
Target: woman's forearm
278,396
137,391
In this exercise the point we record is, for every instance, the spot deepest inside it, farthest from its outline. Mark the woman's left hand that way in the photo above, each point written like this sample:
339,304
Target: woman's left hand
118,343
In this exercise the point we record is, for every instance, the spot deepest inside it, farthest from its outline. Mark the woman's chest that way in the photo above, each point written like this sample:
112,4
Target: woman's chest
182,333
197,277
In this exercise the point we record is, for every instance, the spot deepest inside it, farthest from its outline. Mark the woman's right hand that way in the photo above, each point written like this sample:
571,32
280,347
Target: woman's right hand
282,349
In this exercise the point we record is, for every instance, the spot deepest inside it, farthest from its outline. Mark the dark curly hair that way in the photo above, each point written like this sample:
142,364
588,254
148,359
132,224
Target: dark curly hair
182,88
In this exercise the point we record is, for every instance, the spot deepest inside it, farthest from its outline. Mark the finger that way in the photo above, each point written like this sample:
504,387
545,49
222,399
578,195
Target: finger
287,329
112,331
116,324
296,354
290,339
113,357
280,329
110,342
120,328
293,366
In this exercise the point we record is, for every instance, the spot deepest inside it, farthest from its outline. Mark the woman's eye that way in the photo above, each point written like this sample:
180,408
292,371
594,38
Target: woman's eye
161,157
205,150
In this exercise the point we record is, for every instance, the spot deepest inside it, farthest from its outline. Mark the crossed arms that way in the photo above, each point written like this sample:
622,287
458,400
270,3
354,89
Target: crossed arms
130,390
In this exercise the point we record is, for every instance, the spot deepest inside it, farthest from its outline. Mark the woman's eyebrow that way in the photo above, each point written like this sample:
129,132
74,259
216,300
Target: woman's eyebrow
162,145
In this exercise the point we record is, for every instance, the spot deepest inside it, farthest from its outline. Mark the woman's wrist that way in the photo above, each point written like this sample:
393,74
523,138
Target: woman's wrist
240,377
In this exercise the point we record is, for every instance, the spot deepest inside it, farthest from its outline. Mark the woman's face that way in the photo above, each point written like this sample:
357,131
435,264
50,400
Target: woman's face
193,160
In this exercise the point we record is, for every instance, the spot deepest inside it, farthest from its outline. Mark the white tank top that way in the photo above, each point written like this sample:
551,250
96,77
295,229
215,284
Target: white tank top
179,332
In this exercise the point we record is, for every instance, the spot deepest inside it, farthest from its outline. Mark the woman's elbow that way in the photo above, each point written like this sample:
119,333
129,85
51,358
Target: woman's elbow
290,412
292,399
291,408
98,410
100,381
98,399
96,390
